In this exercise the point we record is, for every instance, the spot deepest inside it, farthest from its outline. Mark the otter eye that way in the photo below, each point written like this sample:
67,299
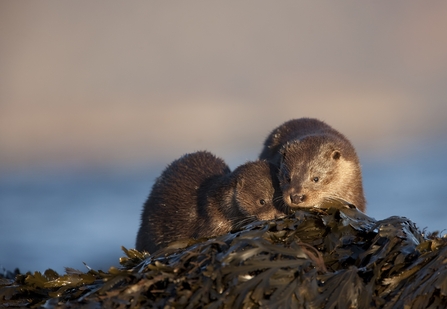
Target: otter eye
315,179
262,202
286,177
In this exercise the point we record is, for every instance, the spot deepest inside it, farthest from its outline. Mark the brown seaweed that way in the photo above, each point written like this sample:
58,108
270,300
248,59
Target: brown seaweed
335,257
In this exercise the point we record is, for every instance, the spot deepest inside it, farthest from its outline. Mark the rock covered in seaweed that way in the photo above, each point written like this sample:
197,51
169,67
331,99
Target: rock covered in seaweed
314,258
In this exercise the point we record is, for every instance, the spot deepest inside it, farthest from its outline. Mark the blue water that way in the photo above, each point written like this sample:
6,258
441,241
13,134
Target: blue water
56,219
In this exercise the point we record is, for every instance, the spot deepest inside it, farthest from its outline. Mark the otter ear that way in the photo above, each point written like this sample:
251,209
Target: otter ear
282,152
336,155
240,183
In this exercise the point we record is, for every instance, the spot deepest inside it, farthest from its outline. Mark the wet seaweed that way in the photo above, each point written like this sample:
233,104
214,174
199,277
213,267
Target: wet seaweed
336,257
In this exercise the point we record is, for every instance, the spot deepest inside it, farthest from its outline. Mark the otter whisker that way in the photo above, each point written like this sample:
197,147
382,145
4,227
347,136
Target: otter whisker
335,198
237,223
278,199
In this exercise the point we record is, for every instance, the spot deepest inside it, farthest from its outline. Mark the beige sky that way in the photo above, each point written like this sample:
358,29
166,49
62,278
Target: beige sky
83,82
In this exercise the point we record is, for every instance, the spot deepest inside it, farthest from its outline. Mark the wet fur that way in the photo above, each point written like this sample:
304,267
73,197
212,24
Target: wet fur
306,148
197,196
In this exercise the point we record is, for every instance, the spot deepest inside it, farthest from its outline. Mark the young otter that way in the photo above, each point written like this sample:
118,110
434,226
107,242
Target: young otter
197,196
315,162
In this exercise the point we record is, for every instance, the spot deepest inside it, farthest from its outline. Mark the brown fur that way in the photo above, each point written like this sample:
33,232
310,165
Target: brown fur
315,163
197,196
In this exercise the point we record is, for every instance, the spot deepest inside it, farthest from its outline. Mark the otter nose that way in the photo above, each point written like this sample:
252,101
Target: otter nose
297,198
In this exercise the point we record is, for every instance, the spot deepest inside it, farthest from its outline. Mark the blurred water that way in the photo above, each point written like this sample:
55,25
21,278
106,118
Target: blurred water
51,219
55,219
414,186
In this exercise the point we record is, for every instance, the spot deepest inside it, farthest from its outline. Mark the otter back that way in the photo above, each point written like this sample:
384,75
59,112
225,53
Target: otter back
171,208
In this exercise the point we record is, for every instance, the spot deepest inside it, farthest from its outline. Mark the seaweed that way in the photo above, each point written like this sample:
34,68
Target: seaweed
334,257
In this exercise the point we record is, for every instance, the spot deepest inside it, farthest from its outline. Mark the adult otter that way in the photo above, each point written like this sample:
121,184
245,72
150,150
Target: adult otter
315,162
197,196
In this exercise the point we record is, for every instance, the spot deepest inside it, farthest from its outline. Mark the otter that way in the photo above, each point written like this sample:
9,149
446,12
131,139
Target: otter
198,196
315,163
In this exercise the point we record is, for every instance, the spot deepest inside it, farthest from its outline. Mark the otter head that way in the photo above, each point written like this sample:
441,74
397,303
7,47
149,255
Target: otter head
316,168
255,191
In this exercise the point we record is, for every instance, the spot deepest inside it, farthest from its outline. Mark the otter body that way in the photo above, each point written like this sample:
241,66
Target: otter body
315,163
197,196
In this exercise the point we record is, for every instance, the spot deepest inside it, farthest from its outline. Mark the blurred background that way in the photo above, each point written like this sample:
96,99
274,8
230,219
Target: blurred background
96,98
